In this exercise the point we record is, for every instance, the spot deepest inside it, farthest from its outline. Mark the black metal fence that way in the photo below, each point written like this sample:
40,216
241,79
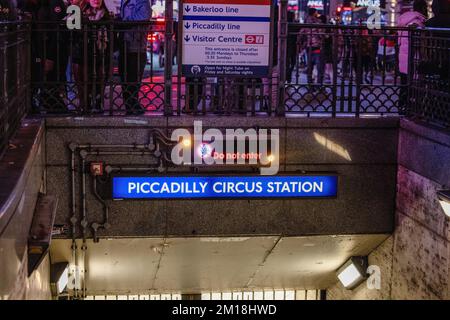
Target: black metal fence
119,68
351,70
429,79
106,67
14,79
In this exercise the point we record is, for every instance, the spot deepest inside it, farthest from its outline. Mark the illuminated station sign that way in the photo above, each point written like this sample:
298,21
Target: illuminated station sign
225,187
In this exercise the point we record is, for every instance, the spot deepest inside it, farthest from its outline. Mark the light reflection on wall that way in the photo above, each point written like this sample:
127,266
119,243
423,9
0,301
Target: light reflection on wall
332,146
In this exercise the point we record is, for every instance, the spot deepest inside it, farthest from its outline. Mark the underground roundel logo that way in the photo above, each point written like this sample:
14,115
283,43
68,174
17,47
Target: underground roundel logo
204,150
196,69
57,9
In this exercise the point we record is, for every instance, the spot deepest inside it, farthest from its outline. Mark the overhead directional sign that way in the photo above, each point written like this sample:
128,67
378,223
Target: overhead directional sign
215,187
226,38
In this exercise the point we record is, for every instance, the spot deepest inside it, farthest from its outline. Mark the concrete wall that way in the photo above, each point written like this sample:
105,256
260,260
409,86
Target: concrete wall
415,260
21,179
362,152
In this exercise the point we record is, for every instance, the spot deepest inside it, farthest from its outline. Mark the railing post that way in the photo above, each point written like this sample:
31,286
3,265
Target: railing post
409,75
28,59
168,49
359,71
282,50
335,71
5,80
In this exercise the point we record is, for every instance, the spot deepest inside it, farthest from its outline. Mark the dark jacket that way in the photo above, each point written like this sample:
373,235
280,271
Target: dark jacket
47,17
97,40
314,36
441,19
51,20
135,10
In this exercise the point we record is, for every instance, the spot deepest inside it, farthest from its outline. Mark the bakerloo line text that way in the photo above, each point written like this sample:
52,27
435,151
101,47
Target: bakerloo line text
228,187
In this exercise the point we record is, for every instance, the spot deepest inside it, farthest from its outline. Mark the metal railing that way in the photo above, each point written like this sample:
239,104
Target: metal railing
14,79
75,75
335,70
429,79
82,78
116,68
107,67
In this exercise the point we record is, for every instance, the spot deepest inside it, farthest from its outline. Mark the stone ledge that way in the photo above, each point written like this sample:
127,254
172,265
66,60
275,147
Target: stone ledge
426,131
16,165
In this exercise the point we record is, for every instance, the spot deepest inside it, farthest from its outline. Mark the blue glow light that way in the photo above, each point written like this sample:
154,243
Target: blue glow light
214,187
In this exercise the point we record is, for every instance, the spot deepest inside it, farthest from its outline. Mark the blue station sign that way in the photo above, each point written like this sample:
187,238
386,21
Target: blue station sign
226,187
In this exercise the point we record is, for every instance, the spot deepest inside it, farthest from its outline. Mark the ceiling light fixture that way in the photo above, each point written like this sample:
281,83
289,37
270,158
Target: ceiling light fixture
353,272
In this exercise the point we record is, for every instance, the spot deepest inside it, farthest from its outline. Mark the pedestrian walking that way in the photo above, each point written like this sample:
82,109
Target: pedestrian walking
133,57
91,71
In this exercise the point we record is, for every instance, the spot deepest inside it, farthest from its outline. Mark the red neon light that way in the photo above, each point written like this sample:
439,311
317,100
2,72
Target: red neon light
236,156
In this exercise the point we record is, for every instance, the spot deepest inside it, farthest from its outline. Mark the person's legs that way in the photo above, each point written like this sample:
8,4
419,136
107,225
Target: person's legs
98,94
320,68
55,89
366,68
329,72
78,74
311,63
132,65
290,64
194,93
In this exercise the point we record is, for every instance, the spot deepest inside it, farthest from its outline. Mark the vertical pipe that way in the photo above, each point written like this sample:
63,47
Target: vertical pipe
73,219
84,221
75,264
83,194
84,249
